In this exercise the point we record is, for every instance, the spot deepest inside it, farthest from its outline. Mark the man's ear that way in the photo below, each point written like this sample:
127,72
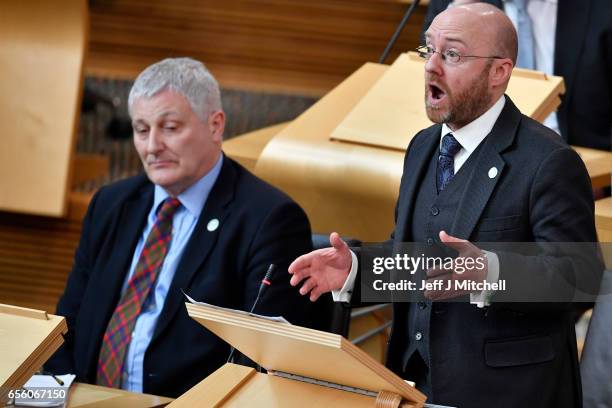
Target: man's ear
500,72
216,125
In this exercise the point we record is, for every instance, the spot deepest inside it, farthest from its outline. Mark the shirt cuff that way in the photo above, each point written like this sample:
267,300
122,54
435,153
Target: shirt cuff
345,293
482,299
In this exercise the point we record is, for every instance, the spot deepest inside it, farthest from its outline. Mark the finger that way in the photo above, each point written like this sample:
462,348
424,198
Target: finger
437,295
437,287
436,272
301,262
458,244
337,242
299,276
307,286
315,294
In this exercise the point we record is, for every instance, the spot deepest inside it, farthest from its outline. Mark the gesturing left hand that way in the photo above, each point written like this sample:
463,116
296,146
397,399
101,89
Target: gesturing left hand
470,265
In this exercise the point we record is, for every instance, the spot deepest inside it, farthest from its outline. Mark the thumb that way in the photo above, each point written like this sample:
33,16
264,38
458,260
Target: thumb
448,239
458,244
337,242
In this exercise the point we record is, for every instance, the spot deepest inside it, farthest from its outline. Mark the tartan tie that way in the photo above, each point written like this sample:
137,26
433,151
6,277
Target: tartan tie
446,161
119,330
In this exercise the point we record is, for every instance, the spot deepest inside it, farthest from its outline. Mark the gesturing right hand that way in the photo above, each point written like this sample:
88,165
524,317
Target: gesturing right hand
324,269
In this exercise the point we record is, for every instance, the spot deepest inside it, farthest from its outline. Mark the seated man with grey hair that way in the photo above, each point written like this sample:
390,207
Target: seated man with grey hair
196,221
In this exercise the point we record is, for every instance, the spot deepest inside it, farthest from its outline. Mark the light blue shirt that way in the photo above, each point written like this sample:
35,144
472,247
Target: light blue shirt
543,15
185,219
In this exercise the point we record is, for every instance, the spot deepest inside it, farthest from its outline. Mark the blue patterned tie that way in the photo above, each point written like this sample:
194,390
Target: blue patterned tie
446,160
526,56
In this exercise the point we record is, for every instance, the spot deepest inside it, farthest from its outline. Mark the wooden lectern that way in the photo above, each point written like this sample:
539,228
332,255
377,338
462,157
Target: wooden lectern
306,367
28,338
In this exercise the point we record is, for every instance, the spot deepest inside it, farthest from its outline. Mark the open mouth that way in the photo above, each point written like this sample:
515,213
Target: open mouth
436,93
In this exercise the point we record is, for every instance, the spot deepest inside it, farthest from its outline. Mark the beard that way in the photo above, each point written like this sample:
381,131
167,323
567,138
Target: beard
465,105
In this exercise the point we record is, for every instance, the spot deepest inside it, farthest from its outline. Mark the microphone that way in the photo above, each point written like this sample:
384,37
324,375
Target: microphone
398,31
265,283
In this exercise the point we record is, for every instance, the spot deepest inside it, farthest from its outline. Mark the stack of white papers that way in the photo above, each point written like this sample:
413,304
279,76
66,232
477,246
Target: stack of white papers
44,391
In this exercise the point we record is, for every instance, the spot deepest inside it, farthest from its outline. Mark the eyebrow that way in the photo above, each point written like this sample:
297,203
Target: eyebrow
167,113
162,115
448,39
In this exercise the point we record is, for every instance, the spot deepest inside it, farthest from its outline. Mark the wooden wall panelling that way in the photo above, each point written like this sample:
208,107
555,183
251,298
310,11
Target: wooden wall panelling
36,255
298,46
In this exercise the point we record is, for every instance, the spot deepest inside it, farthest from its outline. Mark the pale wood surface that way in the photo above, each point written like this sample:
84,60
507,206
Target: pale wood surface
598,164
603,222
389,117
306,352
271,391
342,187
238,386
215,389
25,344
95,396
24,312
41,59
247,148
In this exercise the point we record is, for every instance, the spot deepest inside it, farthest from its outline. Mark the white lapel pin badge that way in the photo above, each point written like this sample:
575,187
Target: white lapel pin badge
212,225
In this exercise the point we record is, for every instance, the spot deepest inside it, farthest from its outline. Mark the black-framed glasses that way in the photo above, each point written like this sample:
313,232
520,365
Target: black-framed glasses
449,56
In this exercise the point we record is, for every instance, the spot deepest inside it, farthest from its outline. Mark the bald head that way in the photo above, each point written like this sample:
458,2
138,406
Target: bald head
471,53
492,29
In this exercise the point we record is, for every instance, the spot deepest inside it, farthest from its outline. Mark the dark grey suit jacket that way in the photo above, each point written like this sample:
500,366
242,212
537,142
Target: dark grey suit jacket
510,354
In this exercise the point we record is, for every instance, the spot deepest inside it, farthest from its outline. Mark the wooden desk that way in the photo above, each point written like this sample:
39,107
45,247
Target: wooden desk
247,148
598,164
238,386
603,219
603,222
94,396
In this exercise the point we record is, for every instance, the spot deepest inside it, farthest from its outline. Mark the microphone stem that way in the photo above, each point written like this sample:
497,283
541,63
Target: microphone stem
398,31
264,284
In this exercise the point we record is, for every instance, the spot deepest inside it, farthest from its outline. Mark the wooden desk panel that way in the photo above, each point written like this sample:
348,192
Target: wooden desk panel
95,396
603,222
598,164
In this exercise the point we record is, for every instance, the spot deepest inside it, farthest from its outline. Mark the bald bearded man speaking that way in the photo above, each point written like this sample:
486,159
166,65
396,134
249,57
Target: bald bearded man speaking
483,173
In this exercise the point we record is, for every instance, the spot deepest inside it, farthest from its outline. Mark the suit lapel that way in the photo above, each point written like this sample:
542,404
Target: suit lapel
417,160
201,243
487,172
130,224
569,44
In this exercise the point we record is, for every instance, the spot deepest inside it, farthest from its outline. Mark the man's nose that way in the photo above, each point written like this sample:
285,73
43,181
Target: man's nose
434,64
154,142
